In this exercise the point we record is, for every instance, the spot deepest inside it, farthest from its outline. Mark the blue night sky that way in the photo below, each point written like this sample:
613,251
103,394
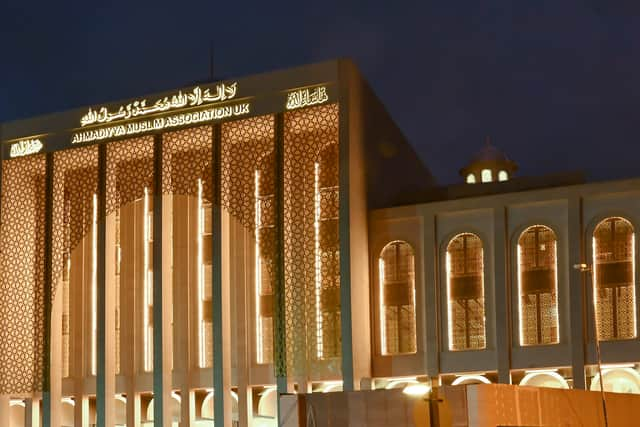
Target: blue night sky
555,84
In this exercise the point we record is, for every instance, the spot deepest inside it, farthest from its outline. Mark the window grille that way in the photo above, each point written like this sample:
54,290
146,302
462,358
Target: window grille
465,277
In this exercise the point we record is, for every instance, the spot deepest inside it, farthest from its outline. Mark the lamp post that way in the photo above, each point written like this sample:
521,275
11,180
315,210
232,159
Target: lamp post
586,268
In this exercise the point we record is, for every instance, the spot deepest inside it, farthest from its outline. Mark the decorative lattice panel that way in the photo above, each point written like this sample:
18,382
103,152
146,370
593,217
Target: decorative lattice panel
537,286
75,184
465,277
187,176
248,194
614,279
22,278
311,246
129,199
186,159
397,294
129,171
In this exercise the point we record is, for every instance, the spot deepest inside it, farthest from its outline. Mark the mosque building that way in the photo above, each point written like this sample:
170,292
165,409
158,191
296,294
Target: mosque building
184,257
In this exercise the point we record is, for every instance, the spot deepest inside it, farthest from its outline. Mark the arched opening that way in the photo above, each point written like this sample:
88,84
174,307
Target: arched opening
67,412
617,380
397,298
207,409
614,279
471,179
544,379
486,175
503,176
17,413
538,286
465,293
175,410
470,379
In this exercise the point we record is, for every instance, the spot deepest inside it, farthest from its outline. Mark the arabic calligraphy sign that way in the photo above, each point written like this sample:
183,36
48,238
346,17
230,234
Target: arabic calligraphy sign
306,97
25,147
160,123
196,97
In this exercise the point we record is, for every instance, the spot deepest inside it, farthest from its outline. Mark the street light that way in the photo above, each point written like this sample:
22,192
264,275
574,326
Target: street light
586,268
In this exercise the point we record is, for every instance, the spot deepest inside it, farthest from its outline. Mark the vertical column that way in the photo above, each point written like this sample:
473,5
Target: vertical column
105,366
501,287
46,386
161,306
577,284
344,227
220,296
32,412
279,301
56,358
4,410
431,292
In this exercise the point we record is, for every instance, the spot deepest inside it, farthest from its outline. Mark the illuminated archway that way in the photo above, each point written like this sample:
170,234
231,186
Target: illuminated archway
544,379
465,293
397,298
538,286
471,379
618,380
614,279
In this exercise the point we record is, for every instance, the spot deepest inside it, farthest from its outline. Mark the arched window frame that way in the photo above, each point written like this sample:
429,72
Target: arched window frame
382,321
519,294
447,291
593,294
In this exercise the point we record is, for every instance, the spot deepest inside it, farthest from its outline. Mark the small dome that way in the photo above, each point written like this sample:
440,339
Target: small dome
490,153
488,165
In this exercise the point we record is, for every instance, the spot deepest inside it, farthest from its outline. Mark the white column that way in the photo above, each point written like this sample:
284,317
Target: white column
55,372
32,412
4,410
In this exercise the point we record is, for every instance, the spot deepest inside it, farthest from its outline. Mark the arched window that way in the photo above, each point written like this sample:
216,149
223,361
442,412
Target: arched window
614,279
503,176
486,175
465,292
397,299
538,286
471,179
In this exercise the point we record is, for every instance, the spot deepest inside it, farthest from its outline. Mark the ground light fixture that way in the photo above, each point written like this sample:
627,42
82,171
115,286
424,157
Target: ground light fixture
429,408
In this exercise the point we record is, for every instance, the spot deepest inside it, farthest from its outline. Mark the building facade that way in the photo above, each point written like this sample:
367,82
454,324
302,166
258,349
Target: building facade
185,257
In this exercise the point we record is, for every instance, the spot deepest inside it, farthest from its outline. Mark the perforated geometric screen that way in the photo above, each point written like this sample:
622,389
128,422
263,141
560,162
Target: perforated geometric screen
398,300
538,288
75,186
614,279
465,280
311,246
22,269
187,187
248,195
129,198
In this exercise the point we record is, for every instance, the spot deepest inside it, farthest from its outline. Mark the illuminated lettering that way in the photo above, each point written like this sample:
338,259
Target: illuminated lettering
160,123
306,97
26,147
196,97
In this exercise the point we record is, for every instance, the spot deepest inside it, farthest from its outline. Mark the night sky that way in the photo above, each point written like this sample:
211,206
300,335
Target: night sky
556,84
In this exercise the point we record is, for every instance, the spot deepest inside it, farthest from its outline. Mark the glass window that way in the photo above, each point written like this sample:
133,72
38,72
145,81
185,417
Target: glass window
465,293
538,286
471,179
614,279
486,175
503,176
397,298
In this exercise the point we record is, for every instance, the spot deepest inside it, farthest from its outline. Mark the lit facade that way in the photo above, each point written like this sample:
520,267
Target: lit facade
185,257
